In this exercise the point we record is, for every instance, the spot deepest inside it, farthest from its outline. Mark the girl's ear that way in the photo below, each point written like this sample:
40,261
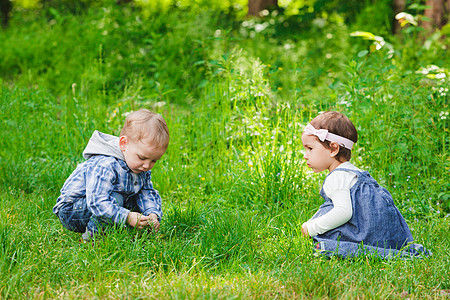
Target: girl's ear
123,143
334,149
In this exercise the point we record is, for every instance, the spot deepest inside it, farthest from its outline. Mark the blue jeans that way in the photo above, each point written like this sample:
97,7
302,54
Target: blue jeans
77,217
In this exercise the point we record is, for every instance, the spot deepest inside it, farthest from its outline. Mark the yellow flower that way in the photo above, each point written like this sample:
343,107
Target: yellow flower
250,163
203,178
280,68
280,88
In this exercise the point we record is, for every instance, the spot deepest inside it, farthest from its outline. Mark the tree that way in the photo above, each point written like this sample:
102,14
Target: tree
398,6
437,13
255,6
5,9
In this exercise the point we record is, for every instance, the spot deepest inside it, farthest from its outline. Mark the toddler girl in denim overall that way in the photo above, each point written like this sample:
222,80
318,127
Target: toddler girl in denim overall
358,216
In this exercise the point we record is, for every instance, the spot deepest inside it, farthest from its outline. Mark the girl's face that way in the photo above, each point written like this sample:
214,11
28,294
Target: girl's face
317,156
139,156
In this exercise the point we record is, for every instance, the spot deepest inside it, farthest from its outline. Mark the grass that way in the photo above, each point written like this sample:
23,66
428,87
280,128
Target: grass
234,186
201,255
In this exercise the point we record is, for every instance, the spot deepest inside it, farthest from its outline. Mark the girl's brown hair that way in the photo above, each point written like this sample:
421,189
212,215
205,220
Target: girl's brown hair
339,124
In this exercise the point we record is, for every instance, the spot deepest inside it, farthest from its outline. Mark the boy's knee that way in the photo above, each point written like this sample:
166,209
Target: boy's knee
75,216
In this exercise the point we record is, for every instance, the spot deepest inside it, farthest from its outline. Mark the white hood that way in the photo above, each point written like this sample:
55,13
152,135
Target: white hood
103,144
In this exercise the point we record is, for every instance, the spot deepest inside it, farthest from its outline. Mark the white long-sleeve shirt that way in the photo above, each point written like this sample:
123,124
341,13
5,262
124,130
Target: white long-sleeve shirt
337,187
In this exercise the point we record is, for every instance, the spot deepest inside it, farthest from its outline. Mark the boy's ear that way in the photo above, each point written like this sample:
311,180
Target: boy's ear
123,143
334,147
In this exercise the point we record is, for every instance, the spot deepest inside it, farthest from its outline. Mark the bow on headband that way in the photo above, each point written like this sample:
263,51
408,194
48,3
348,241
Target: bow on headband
323,135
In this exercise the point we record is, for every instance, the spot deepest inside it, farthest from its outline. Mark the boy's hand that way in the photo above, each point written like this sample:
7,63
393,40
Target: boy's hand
137,220
140,221
153,222
305,232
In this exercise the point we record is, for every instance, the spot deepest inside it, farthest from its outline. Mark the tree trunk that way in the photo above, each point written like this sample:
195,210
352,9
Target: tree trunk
446,14
5,9
437,13
255,6
398,6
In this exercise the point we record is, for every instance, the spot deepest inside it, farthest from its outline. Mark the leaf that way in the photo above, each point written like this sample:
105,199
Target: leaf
419,6
200,62
445,30
364,34
54,13
363,53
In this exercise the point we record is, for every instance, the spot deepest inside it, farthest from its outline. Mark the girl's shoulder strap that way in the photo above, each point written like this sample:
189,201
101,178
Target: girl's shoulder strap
343,179
358,172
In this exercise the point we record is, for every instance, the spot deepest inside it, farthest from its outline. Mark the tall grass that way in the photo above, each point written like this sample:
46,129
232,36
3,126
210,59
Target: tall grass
234,186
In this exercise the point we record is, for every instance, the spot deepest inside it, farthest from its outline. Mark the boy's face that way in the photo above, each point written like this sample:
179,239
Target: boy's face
140,156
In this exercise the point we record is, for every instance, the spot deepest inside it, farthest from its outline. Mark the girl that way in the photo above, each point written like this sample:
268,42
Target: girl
358,215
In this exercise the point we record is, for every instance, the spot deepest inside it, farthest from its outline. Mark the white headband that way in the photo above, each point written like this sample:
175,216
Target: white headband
323,135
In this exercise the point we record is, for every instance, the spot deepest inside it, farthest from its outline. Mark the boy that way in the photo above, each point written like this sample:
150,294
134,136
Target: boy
114,184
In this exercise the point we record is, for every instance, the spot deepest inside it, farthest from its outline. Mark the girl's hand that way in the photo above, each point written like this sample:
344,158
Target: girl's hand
138,220
305,230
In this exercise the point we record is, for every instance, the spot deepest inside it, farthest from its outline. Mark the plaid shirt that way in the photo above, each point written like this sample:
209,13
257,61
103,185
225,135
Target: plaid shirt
99,176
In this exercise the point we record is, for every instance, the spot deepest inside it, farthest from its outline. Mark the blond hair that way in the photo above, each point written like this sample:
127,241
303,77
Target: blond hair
144,124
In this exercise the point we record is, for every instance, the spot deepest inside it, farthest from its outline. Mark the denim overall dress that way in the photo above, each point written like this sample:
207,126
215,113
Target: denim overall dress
375,228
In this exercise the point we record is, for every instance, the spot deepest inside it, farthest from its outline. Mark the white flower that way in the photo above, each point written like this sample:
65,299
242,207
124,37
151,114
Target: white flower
261,27
406,18
428,69
264,13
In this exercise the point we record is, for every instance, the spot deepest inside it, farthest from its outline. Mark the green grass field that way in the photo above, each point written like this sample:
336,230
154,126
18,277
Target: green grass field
236,94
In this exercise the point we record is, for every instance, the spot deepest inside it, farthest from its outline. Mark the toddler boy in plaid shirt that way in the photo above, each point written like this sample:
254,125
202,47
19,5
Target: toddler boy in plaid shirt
114,184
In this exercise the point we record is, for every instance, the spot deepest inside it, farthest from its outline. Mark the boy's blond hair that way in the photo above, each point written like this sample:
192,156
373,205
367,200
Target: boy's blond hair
144,124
